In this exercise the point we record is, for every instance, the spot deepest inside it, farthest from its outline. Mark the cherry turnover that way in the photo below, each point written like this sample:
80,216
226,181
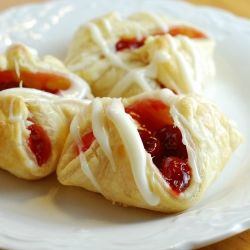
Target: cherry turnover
161,140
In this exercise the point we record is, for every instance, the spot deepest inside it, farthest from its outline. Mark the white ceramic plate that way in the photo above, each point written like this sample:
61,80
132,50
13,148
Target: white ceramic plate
46,215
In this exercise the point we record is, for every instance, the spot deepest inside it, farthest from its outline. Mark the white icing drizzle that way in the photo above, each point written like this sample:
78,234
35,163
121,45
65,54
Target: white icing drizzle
200,123
159,21
191,161
78,88
30,164
107,25
21,84
180,120
131,77
140,32
210,143
32,95
75,133
195,57
167,97
191,77
100,41
134,148
159,56
100,129
17,68
139,75
193,87
12,117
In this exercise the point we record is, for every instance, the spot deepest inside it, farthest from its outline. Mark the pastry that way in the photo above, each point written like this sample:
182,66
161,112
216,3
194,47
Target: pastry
156,150
21,66
33,127
146,51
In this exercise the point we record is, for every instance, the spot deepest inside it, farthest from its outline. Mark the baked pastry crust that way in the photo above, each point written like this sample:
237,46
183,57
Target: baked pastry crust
182,64
19,109
23,65
117,166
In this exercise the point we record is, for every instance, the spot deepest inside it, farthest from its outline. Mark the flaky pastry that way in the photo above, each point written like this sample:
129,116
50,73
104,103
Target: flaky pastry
33,127
122,57
156,150
22,66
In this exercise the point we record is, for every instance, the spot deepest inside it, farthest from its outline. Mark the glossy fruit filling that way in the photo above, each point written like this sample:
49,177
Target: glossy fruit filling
133,43
163,141
43,81
87,140
39,143
126,43
186,31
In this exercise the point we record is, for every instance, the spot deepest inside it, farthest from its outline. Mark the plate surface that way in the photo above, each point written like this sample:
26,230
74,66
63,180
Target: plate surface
46,215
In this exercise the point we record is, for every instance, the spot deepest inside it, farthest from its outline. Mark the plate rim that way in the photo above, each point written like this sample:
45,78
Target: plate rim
238,227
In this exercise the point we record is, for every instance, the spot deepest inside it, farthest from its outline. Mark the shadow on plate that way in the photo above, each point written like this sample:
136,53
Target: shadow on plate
66,203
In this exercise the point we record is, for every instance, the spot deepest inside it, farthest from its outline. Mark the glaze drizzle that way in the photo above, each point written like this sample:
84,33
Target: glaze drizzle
183,51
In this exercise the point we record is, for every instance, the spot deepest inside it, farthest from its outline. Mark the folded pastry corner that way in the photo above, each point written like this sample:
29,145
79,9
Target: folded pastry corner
122,57
21,66
33,127
156,150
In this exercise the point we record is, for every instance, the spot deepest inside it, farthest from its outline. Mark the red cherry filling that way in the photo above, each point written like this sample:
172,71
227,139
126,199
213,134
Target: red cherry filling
177,173
43,81
171,138
163,141
87,141
186,31
126,43
133,43
7,80
39,143
150,114
153,146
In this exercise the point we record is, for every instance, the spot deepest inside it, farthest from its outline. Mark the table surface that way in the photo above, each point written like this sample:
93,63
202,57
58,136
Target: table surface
240,8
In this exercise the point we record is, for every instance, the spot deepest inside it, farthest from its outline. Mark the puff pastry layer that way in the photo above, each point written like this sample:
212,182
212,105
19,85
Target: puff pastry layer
104,152
33,128
22,66
124,57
